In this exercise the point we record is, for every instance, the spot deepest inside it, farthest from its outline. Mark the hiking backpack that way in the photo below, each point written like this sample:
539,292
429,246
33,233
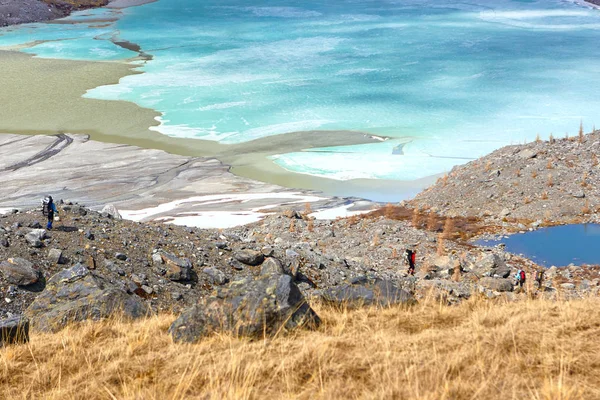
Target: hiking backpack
522,275
46,205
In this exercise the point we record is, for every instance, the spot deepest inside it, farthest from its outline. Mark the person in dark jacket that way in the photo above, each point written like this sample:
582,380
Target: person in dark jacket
411,256
48,209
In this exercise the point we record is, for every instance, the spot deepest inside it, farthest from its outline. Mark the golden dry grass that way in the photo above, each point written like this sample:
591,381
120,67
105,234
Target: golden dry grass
533,349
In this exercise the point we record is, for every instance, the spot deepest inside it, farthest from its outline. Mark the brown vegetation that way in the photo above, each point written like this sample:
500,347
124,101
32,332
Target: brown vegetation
533,349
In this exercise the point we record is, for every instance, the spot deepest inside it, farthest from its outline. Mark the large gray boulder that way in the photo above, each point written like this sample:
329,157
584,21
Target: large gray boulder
18,271
75,294
247,307
492,265
363,292
496,284
14,330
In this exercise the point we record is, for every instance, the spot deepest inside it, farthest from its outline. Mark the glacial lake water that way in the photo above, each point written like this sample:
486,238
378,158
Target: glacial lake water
447,81
558,245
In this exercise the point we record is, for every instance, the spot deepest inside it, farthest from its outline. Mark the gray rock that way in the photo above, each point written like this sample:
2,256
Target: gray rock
75,294
111,211
34,237
216,276
496,284
19,271
249,257
578,194
89,235
55,256
376,292
4,242
147,289
176,296
491,264
527,153
268,251
14,330
248,307
139,279
235,264
271,266
291,253
178,269
568,286
157,259
35,225
121,256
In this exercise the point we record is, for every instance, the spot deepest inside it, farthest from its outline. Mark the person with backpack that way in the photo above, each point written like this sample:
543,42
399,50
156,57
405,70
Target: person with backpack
48,209
520,278
411,257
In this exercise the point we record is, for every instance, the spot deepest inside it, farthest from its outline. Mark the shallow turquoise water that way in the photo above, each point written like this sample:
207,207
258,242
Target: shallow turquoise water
447,81
558,245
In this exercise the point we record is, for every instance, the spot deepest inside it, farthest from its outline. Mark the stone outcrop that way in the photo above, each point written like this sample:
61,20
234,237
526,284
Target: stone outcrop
247,307
75,294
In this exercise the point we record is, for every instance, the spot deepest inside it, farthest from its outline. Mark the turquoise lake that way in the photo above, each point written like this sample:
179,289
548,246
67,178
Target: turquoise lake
446,81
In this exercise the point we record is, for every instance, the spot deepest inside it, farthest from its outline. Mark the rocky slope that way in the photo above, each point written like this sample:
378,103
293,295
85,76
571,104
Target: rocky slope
544,182
170,268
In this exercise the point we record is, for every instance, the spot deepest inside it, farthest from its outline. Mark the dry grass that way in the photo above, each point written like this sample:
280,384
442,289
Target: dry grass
532,349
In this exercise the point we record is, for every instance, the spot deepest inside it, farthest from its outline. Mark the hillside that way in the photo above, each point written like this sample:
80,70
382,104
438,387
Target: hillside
479,349
539,183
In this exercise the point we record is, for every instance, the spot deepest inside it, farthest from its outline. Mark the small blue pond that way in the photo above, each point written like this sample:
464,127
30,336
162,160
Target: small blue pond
557,245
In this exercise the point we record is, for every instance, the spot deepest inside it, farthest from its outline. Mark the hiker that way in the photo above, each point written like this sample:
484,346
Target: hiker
539,278
520,278
48,209
411,256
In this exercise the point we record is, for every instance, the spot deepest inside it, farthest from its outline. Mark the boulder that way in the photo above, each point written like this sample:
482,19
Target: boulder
35,236
249,308
178,269
14,330
527,153
75,294
55,256
365,292
492,264
216,276
157,259
271,266
249,257
19,271
111,211
496,284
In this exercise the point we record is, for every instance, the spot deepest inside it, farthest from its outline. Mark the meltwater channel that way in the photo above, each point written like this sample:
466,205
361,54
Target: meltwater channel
447,81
